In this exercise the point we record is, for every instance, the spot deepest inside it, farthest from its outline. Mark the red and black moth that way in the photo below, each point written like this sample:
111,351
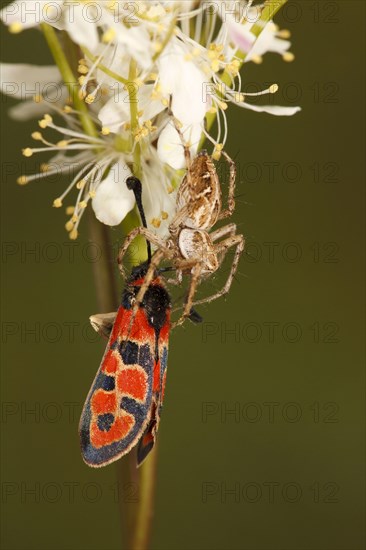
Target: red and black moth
124,404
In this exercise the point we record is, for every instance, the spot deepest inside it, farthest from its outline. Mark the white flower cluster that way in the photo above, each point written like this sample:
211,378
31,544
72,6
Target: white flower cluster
138,64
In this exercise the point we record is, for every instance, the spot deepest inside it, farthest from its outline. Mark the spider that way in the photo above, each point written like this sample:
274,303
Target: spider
191,246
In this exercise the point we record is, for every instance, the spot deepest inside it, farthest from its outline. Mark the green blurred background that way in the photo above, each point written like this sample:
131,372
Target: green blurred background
285,470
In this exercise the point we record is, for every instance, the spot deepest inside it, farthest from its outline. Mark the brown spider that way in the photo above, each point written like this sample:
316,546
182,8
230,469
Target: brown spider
191,247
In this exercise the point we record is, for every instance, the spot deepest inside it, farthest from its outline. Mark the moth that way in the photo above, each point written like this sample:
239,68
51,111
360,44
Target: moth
124,404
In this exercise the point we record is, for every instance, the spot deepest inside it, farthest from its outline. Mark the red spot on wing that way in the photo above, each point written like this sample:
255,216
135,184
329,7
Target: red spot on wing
111,362
140,330
119,429
132,381
103,402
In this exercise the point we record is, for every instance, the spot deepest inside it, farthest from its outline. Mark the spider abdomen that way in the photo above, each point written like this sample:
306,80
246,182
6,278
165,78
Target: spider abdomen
197,245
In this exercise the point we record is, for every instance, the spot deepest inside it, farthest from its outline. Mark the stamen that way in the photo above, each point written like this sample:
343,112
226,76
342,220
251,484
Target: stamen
46,121
288,57
156,223
69,226
73,234
57,203
16,27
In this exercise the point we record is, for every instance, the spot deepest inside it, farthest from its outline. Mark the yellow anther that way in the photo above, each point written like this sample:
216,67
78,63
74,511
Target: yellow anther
222,105
63,143
73,234
238,97
46,121
57,203
81,81
70,210
80,184
69,226
105,131
67,109
164,215
83,204
82,61
288,57
27,152
16,27
83,69
273,89
258,59
22,180
92,194
156,222
44,167
109,35
90,99
284,33
37,136
75,218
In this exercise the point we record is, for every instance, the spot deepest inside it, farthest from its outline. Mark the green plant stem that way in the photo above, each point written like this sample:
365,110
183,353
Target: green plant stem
142,529
269,9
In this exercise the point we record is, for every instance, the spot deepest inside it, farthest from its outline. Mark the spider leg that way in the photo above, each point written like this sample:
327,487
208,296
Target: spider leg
187,152
155,260
237,241
149,235
231,194
195,276
229,229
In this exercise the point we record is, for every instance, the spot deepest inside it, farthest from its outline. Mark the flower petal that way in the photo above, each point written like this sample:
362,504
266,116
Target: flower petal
113,200
240,35
268,42
115,112
82,31
24,81
32,12
276,110
187,84
170,146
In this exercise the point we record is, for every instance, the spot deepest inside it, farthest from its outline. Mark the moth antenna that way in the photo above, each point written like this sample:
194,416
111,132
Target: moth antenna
134,185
